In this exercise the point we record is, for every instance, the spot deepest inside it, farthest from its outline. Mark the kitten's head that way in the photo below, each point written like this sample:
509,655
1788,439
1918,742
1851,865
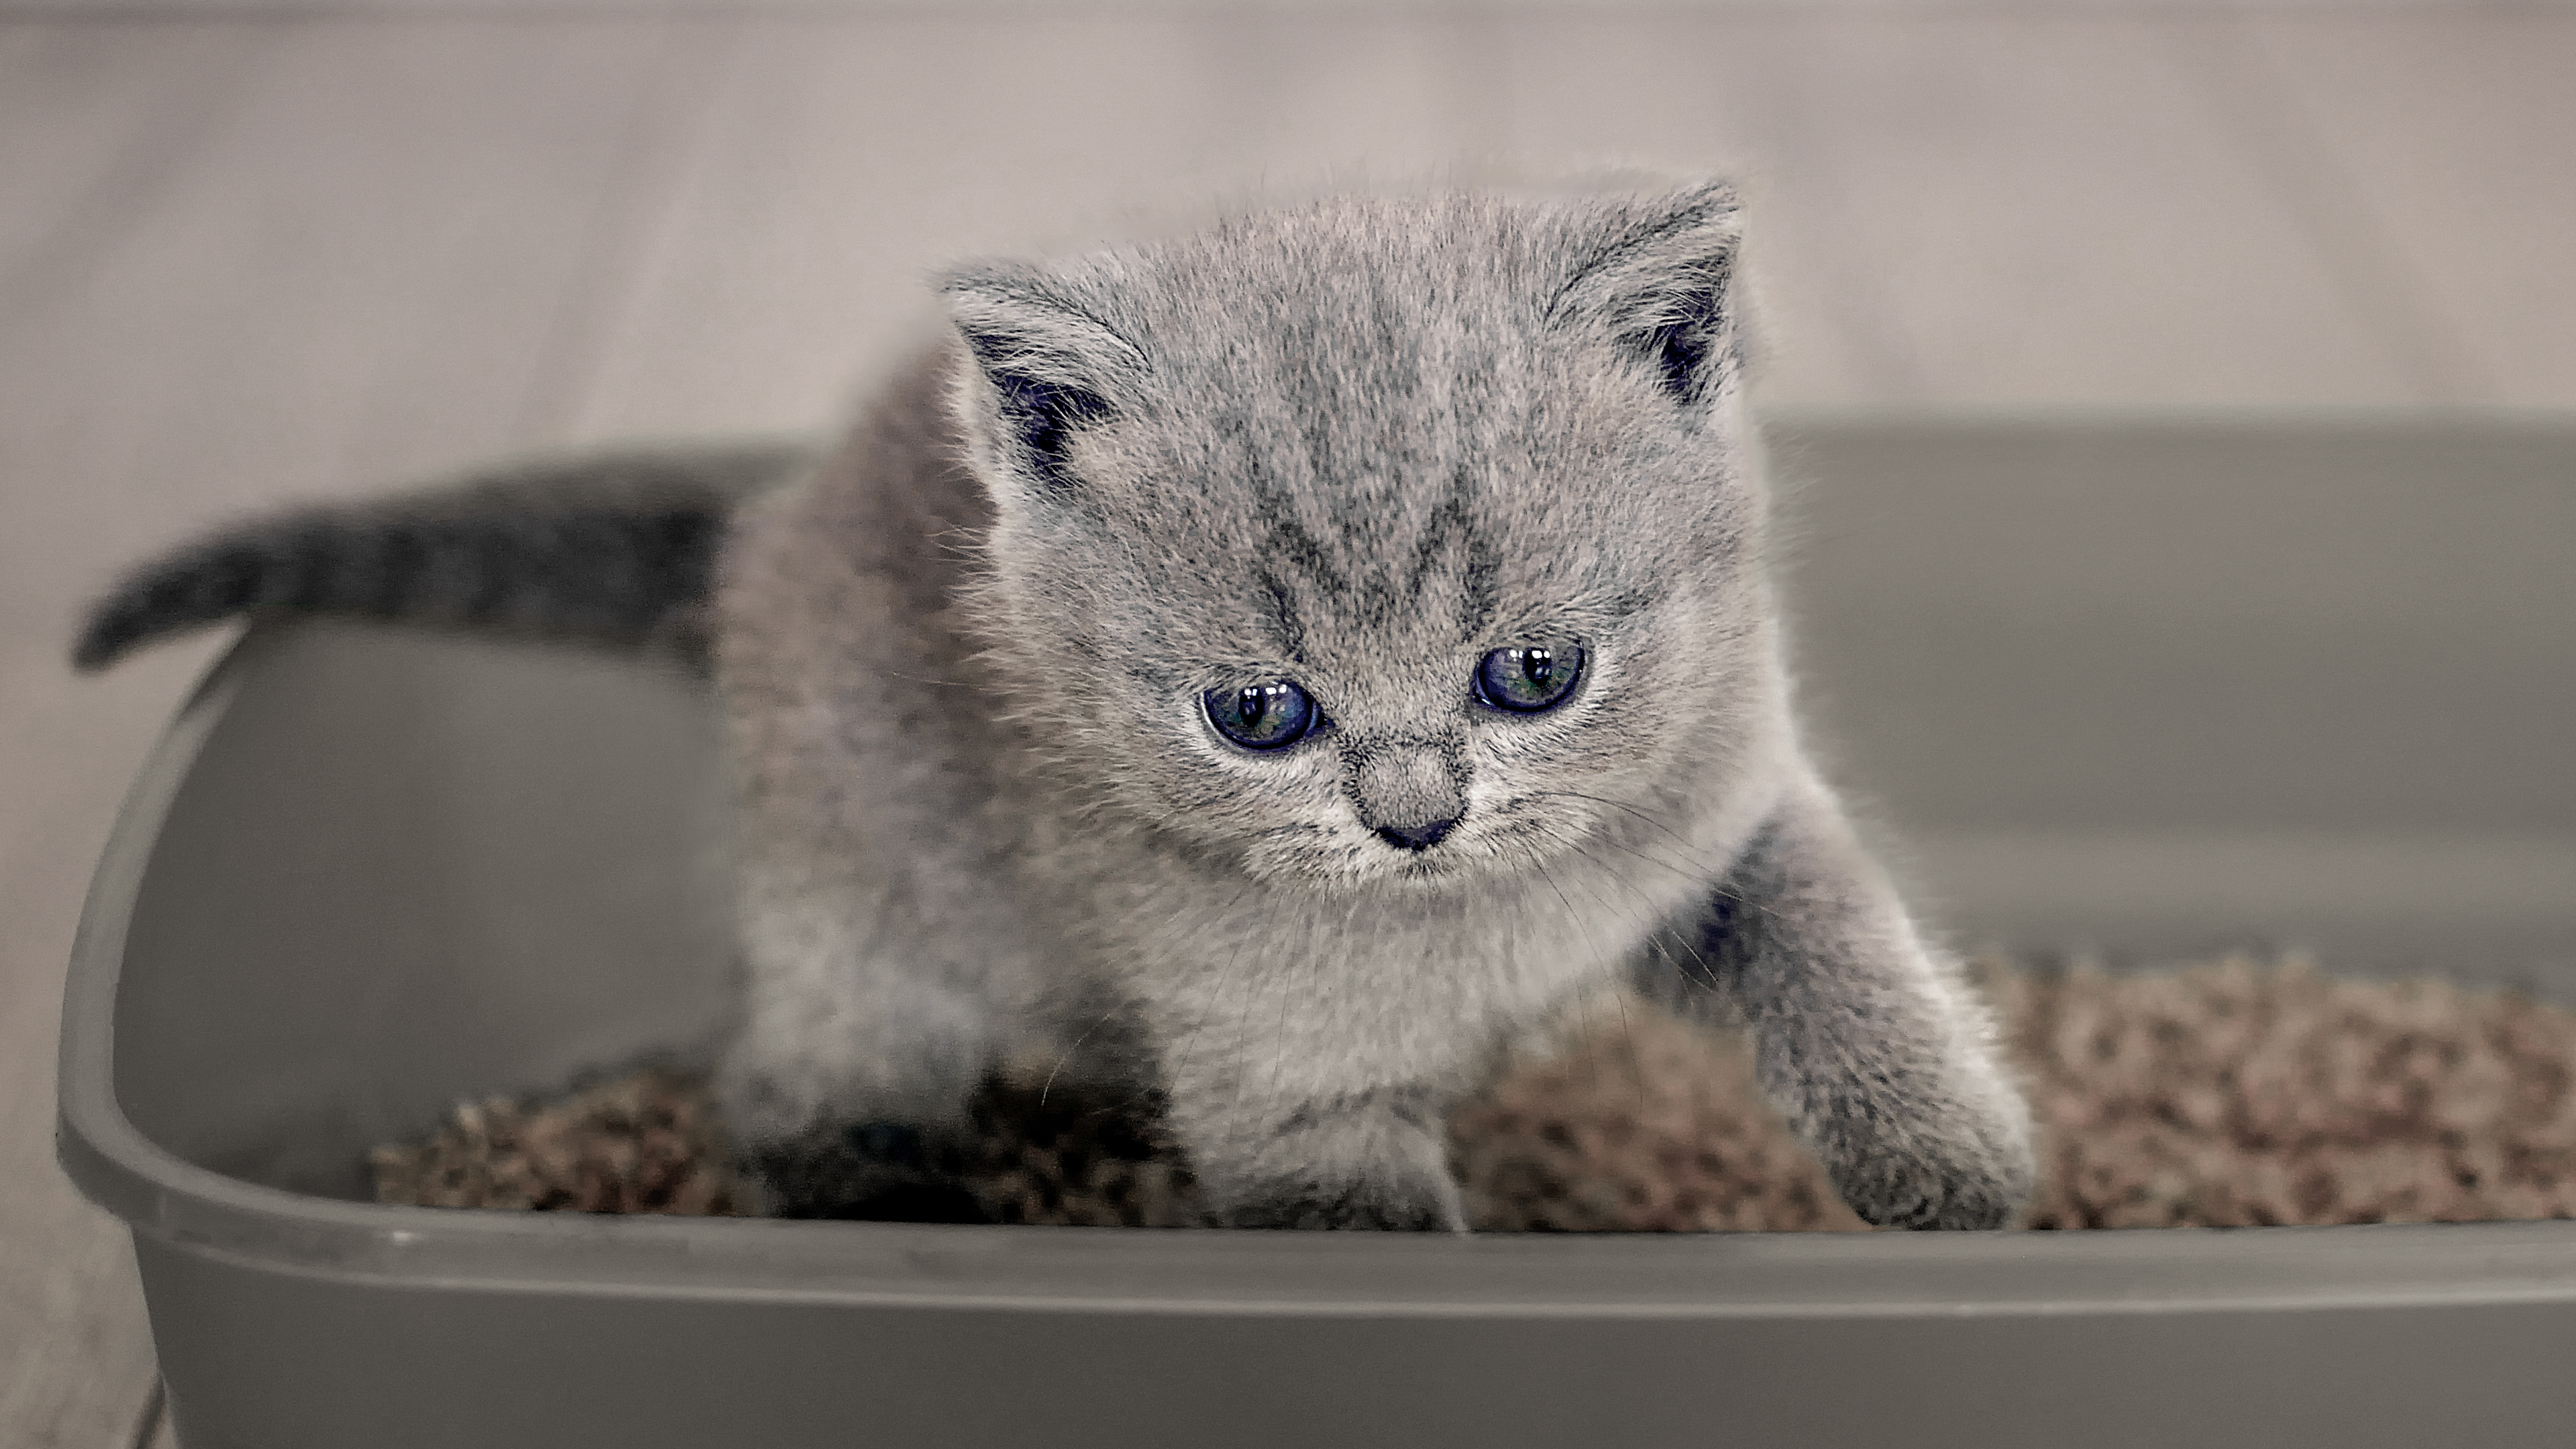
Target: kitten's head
1380,541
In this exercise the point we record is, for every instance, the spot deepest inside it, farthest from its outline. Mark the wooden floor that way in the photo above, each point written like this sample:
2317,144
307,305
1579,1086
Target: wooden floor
246,260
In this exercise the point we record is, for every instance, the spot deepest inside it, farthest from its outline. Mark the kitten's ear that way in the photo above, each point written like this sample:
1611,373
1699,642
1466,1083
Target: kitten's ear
1046,367
1661,275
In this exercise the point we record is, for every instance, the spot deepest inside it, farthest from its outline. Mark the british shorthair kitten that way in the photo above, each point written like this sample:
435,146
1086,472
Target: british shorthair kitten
1271,669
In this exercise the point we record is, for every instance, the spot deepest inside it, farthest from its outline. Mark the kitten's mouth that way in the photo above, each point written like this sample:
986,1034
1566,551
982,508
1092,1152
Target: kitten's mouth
1443,862
1415,873
1370,868
1336,861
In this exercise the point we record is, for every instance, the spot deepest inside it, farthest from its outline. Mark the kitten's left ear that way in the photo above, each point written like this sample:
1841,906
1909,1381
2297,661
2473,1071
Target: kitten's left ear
1046,367
1661,275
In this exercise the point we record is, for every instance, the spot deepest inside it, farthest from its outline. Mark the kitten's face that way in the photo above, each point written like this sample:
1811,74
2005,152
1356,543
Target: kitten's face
1349,548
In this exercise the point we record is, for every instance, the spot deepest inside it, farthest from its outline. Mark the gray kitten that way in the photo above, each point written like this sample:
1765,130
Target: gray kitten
1275,669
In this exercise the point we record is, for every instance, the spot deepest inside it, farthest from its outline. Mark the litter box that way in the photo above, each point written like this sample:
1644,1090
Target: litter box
2139,685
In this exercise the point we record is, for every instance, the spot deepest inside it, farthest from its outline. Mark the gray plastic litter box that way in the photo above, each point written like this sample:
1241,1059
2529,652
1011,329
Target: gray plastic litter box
2152,684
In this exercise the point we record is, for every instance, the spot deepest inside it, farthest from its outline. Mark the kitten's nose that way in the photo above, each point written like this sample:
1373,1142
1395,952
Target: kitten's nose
1407,792
1418,837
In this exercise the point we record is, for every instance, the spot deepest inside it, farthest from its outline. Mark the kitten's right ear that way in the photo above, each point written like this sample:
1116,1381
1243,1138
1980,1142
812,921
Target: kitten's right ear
1046,367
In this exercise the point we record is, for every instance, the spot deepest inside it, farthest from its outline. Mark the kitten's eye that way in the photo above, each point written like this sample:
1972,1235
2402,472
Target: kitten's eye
1268,716
1530,678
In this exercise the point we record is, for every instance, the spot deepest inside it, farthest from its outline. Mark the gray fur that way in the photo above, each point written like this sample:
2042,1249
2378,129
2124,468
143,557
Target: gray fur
1356,445
615,550
984,818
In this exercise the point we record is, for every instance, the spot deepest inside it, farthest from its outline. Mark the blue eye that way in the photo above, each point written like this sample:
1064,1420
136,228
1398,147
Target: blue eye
1525,679
1268,716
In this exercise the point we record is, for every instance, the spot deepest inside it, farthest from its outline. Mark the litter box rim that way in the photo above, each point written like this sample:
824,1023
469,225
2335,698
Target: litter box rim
1186,1272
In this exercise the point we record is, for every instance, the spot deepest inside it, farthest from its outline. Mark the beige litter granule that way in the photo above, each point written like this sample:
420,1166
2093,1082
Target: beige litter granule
2230,1094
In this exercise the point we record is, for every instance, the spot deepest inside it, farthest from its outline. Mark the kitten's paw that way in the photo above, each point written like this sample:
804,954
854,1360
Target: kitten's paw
1380,1167
875,1171
1939,1176
1400,1207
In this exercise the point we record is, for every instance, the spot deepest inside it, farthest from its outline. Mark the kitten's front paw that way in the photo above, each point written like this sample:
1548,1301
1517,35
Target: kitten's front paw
1940,1174
1401,1207
1380,1167
875,1171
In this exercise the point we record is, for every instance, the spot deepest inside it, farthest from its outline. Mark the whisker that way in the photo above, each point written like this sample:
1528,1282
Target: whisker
1682,840
1686,872
1709,977
1066,1055
1179,1050
1642,916
927,679
1626,1032
1690,851
1582,1001
1716,887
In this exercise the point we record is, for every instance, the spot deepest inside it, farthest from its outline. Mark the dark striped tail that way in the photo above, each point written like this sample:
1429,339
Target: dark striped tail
611,548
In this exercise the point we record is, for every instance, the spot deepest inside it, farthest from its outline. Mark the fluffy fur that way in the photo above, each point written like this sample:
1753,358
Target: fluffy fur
1355,446
986,817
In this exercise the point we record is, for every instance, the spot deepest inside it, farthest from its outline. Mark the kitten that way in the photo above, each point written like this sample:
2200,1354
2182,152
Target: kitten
1274,668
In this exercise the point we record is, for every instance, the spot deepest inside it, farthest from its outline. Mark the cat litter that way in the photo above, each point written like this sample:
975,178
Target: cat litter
2231,1094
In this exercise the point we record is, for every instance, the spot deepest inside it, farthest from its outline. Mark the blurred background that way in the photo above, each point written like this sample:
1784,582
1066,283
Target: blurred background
256,252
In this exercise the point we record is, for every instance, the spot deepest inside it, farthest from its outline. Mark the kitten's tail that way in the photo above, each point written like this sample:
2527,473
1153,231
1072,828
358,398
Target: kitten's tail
615,548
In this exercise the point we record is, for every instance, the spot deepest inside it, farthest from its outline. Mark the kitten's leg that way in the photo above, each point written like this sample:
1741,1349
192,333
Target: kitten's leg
1877,1053
846,1090
1371,1157
1381,1162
